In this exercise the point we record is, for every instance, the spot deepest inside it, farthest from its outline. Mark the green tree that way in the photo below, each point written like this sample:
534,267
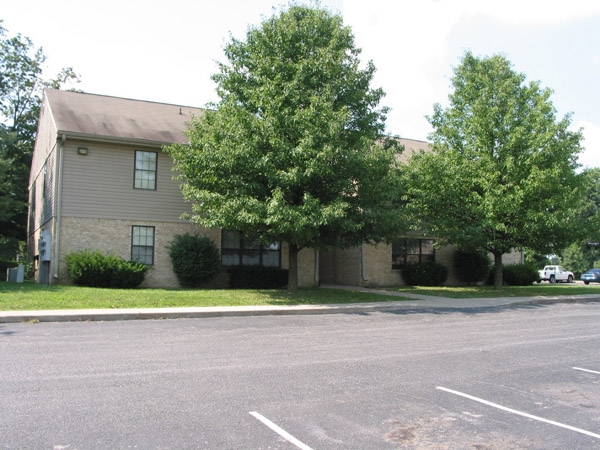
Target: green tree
585,253
590,211
294,150
580,257
502,173
21,87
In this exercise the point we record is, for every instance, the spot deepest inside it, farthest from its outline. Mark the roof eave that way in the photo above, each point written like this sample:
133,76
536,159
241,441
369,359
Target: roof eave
111,139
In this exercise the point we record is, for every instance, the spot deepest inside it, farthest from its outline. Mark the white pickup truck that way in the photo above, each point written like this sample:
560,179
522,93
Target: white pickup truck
554,274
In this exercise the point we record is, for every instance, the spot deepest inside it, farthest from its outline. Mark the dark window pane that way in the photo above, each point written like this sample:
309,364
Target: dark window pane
239,249
411,250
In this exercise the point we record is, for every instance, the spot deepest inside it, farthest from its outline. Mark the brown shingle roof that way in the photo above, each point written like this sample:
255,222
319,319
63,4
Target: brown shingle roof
101,116
108,117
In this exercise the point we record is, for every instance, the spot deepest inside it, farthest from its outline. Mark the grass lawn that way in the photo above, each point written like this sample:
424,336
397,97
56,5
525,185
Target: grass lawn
542,289
31,296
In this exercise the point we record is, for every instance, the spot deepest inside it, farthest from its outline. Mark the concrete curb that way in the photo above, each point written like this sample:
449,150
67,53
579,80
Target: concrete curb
424,304
84,315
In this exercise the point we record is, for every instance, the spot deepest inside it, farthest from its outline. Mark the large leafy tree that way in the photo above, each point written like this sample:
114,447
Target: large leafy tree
585,253
21,86
502,173
294,150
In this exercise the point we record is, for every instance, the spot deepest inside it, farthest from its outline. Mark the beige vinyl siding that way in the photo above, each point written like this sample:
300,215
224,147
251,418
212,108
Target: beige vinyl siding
100,185
45,142
43,171
46,188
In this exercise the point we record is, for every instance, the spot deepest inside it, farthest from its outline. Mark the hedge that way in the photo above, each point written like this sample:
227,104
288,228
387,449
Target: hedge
257,277
93,269
425,274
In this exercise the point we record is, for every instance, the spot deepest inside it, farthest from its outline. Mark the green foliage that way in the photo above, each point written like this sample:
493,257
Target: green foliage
195,259
582,254
502,173
580,257
589,215
536,260
471,266
517,275
425,274
294,149
93,269
257,277
21,87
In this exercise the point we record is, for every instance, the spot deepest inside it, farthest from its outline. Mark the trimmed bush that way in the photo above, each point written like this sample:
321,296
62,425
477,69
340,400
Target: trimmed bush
425,274
257,277
515,275
471,267
93,269
519,274
196,259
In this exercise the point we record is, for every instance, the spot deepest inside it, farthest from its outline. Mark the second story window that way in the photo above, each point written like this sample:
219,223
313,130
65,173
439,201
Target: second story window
145,170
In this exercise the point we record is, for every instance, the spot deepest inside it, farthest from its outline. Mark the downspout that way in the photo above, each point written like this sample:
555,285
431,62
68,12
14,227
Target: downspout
317,281
363,280
58,197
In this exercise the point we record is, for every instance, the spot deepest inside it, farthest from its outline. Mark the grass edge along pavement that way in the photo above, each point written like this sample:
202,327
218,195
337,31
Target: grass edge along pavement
31,296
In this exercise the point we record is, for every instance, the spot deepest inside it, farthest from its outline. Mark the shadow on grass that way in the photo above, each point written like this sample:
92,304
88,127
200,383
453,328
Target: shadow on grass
324,296
535,290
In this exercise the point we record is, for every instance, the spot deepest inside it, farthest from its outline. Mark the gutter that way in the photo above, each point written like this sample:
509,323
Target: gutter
113,139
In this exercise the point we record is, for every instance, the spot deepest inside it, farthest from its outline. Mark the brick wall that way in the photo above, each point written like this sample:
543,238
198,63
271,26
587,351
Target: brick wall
371,265
114,237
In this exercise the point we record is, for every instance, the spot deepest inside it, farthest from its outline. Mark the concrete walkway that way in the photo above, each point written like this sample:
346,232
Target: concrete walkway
415,303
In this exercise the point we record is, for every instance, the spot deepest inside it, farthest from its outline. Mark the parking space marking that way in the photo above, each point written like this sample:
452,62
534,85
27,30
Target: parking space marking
280,431
519,413
587,370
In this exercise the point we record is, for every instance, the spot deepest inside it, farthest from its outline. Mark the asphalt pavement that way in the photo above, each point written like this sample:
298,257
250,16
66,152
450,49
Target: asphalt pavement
414,302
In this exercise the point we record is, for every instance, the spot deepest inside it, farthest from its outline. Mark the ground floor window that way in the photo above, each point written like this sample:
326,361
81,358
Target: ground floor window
239,249
411,250
142,244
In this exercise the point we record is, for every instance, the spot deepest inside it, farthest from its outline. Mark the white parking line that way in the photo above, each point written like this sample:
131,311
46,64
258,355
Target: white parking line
587,370
520,413
280,431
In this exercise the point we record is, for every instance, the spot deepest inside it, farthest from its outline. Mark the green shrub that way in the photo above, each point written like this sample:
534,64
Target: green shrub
516,275
471,267
195,259
425,274
93,269
519,274
257,277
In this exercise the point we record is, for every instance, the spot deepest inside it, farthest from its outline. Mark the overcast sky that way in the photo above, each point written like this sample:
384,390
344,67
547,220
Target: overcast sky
166,51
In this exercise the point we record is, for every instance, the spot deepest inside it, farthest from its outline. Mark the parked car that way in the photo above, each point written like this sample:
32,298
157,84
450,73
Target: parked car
554,274
591,276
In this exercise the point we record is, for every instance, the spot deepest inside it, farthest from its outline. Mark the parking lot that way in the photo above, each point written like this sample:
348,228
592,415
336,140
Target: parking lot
506,378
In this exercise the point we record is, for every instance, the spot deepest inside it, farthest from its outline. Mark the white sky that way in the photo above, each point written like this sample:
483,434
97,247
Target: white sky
165,51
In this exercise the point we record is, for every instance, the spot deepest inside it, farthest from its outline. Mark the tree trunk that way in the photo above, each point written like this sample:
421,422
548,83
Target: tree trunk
498,271
293,269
